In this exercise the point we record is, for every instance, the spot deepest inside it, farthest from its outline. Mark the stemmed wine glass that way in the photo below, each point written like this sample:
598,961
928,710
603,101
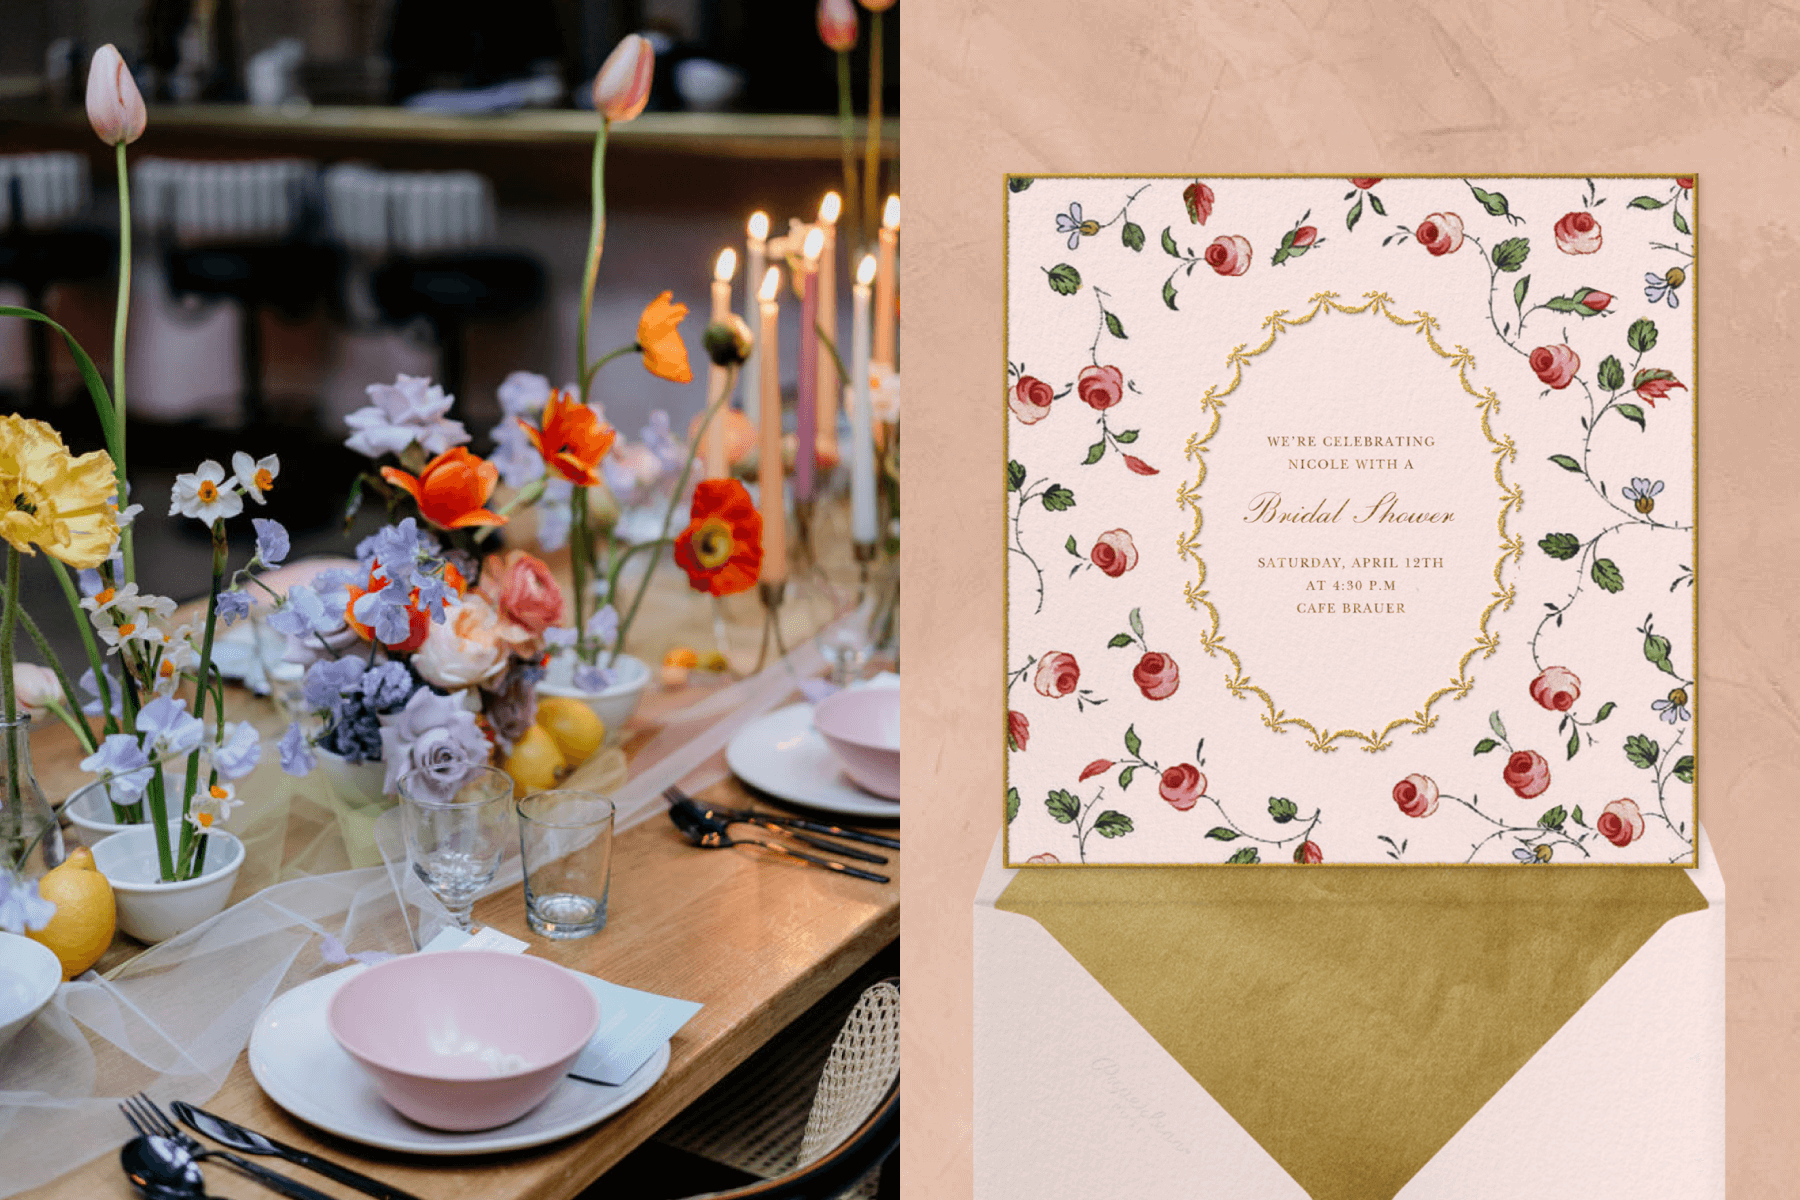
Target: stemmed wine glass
456,833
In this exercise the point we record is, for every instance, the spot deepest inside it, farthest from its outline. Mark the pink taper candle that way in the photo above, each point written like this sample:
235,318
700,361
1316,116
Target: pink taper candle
770,478
806,405
886,268
831,386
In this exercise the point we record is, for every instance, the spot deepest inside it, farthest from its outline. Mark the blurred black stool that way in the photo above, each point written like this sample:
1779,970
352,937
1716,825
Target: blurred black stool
450,290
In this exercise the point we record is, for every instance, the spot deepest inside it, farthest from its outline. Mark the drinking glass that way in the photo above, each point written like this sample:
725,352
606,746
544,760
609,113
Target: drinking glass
455,836
565,842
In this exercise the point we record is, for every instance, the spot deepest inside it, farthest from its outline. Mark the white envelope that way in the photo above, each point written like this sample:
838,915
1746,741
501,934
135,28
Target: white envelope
1074,1100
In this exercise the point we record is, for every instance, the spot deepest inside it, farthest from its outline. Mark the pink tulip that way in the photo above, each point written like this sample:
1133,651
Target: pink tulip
115,107
622,87
837,24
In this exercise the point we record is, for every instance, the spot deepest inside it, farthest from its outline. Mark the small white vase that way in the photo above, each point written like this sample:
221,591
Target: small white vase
90,811
613,705
151,910
362,783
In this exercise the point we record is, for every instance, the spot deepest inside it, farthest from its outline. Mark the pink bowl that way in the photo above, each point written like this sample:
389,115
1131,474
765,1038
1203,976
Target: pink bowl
464,1039
862,727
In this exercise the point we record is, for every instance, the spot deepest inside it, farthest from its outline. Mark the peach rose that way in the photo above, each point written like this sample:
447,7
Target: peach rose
1030,399
1100,387
1114,552
522,590
1309,852
1156,676
464,649
1440,234
1229,255
1417,795
1527,773
1057,674
1556,689
1045,857
1182,785
1555,365
1578,233
1621,823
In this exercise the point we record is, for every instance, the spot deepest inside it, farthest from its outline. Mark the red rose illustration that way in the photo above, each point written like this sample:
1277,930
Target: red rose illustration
1304,236
1621,823
1527,773
1440,233
1578,233
1309,852
1596,300
1555,365
1556,689
1138,464
1199,200
1114,552
1182,785
1416,795
1018,729
1684,182
1045,857
1057,674
1229,255
1655,384
1364,182
1100,387
1098,767
1030,399
1156,676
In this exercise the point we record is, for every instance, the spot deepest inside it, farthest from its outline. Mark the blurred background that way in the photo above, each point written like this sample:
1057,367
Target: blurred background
334,192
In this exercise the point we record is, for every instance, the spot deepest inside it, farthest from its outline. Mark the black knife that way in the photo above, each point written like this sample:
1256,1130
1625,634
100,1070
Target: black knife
248,1141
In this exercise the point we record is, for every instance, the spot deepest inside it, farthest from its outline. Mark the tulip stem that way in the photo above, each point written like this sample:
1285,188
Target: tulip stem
596,244
847,139
872,144
121,311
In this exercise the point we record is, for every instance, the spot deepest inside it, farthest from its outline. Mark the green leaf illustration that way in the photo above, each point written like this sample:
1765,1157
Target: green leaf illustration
1113,326
1605,573
1169,247
1612,375
1282,810
1656,650
1126,436
1132,235
1510,255
1118,640
1012,804
1112,824
1059,498
1354,215
1126,776
1064,279
1169,293
1553,819
1018,183
1137,623
1219,833
1519,290
1576,817
1494,723
1646,202
1494,202
1095,453
1566,463
1574,742
1684,768
1605,712
1375,203
1561,546
1015,475
1632,412
1641,751
1484,745
1246,855
1133,743
1070,546
1064,807
1681,225
1642,335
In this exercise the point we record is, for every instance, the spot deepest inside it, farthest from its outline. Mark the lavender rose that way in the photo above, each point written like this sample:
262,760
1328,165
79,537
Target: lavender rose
435,735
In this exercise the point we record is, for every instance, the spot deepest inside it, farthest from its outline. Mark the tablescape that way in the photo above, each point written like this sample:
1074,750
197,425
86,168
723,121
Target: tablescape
457,827
862,727
152,909
694,812
769,818
247,1141
163,1154
29,975
713,834
782,755
565,853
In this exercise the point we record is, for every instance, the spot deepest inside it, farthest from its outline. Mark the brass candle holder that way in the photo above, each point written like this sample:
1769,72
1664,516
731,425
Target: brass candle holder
771,593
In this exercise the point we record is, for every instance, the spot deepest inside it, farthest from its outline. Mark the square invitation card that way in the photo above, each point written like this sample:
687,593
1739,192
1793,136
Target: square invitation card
1351,520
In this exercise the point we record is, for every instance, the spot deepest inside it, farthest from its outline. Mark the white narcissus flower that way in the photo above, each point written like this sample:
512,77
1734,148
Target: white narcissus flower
115,107
213,806
201,496
35,686
178,657
255,475
622,87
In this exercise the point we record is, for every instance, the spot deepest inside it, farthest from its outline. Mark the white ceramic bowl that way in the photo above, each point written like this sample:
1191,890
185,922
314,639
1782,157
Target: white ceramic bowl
862,727
89,808
613,706
153,911
29,975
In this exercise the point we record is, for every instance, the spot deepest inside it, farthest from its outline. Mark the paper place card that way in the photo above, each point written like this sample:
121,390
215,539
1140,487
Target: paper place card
1351,520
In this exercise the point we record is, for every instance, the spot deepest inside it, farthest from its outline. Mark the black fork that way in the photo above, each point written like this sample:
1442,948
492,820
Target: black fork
150,1121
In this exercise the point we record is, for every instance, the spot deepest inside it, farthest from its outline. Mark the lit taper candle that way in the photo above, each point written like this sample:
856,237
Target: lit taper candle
770,480
714,448
831,384
756,249
862,423
886,326
806,402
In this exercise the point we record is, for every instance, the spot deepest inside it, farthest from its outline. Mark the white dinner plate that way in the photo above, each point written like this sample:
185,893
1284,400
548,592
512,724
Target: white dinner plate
783,755
303,1069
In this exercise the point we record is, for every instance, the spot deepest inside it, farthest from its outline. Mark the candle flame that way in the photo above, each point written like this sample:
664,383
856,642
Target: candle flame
771,286
759,225
815,242
830,207
726,267
865,271
890,216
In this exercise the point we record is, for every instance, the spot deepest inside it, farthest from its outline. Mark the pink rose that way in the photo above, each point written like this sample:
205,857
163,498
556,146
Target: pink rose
1416,795
1099,766
1100,387
1555,365
1578,233
1309,852
1045,857
1440,234
1156,676
1057,674
1018,729
1182,785
1229,255
1621,823
1557,689
1527,773
1030,399
1114,552
527,593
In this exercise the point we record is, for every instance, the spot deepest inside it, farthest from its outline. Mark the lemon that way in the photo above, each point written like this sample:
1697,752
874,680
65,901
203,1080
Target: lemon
82,928
573,726
535,763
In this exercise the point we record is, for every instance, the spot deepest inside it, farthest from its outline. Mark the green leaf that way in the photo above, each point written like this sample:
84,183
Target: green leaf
1574,741
1495,724
1605,712
1282,810
1127,436
1641,751
1553,818
1375,203
1012,804
1119,639
1064,807
1510,255
1246,855
1484,745
1566,463
1576,817
1070,546
1219,833
1113,327
1642,335
1684,768
1059,498
1571,303
1169,247
1354,215
1015,475
1612,374
1132,235
1519,290
1137,623
1169,293
1560,546
1681,225
1095,453
1494,202
1064,279
1646,202
90,374
1605,573
1656,650
1133,743
1632,412
1112,824
1126,776
1018,183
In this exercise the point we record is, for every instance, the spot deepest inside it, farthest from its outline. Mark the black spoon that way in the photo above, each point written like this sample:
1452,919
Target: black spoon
161,1168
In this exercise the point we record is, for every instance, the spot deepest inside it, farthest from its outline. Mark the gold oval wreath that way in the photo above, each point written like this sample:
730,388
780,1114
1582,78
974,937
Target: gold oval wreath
1511,545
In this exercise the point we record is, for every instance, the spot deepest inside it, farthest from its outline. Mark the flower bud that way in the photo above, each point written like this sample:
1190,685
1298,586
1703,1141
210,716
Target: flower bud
837,24
115,107
622,87
728,341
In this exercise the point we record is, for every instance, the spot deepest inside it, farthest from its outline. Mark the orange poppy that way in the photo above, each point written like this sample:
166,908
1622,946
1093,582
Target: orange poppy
418,621
452,489
721,549
659,337
573,440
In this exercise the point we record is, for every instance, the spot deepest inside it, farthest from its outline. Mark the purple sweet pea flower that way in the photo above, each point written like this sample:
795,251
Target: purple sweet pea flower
296,756
271,541
411,409
238,752
233,606
123,761
21,907
167,727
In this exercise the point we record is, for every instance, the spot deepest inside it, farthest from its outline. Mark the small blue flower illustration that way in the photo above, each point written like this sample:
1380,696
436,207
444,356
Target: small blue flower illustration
1072,224
1663,287
1674,708
1642,493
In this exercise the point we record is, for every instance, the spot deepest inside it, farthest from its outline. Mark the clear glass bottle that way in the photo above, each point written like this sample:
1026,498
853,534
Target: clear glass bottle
30,838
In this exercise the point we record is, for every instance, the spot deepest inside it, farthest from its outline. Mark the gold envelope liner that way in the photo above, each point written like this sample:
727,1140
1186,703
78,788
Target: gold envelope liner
1352,1021
1511,545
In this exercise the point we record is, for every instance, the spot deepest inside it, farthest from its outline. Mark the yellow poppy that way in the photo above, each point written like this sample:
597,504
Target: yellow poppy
52,499
659,337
